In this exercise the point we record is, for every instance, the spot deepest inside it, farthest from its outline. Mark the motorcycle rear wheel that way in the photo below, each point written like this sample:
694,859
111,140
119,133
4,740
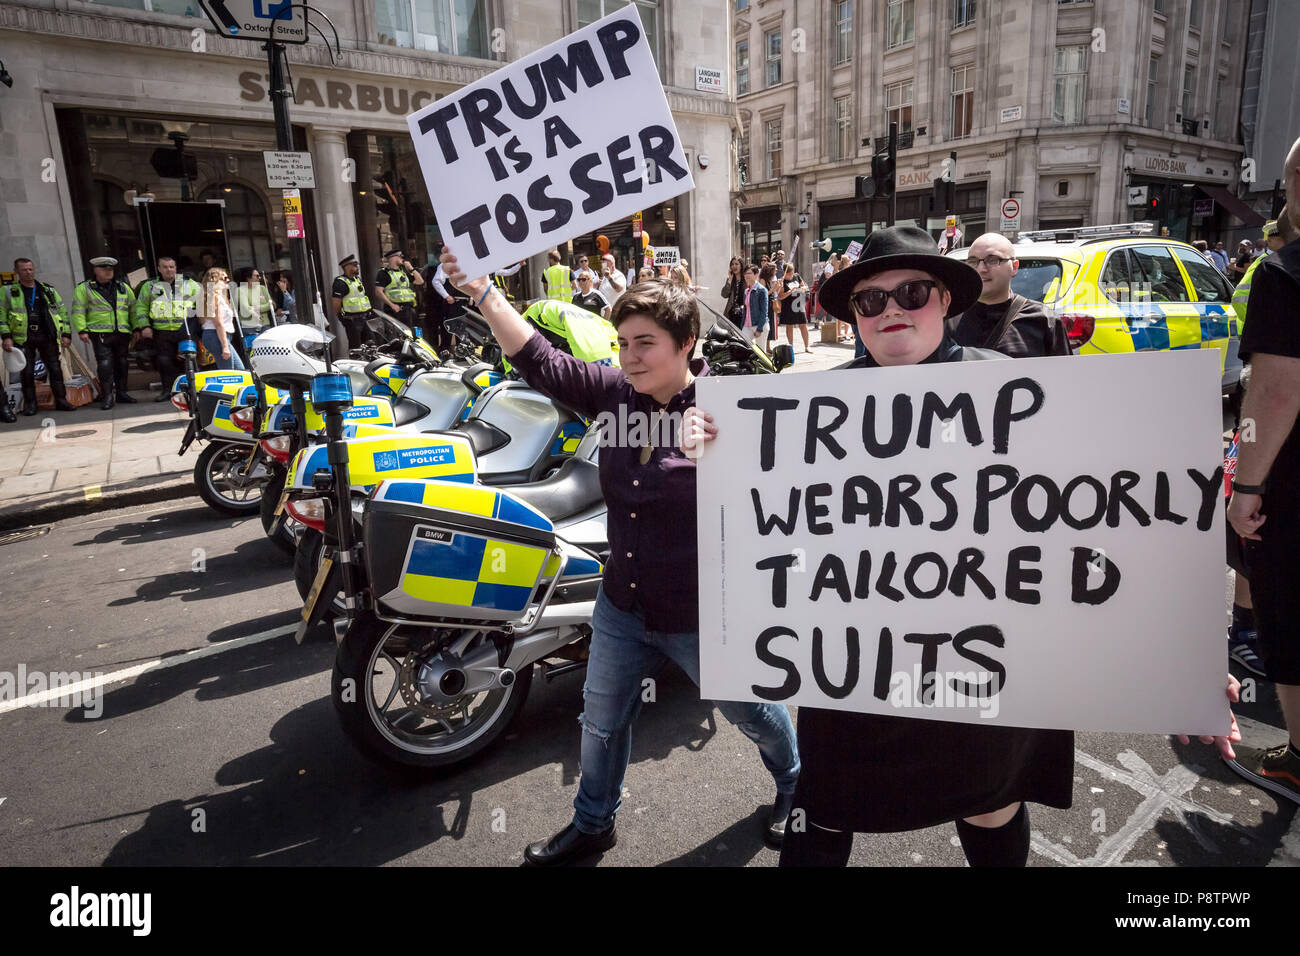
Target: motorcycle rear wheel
380,724
220,487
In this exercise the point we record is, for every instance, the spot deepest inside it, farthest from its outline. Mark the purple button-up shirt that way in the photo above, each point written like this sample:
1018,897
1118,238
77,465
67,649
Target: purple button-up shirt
651,507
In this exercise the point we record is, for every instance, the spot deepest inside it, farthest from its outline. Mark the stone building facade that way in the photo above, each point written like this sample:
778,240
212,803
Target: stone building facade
104,91
1083,112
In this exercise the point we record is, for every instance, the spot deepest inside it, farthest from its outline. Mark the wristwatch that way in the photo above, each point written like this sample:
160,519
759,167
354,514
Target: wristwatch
1248,489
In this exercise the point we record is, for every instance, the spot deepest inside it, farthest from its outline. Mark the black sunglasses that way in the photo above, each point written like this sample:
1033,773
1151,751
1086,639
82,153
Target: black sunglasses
911,295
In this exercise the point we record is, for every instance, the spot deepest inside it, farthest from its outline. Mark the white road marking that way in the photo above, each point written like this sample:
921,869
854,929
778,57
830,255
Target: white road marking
129,673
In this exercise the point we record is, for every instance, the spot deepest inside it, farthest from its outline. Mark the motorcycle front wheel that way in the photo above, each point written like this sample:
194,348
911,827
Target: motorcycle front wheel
223,486
279,528
374,701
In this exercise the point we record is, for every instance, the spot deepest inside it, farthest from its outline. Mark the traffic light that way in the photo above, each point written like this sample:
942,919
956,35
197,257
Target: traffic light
1154,203
385,197
864,187
882,173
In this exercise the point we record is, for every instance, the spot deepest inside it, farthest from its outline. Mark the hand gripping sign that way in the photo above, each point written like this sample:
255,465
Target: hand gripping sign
550,147
956,542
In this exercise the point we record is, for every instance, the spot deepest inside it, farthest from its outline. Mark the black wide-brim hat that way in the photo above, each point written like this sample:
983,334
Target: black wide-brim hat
900,247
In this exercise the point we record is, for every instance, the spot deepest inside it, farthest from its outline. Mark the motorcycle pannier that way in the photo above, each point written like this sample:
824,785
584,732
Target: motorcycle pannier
449,551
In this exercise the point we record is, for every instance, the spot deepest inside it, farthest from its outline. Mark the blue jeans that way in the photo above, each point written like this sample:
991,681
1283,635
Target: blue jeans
623,651
213,345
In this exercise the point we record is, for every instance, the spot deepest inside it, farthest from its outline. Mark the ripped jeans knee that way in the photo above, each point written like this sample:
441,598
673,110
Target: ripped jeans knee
588,728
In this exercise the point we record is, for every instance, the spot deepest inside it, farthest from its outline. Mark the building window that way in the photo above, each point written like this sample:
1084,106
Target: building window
963,100
589,11
179,8
1194,14
1160,6
248,227
1070,84
902,23
843,32
1153,69
742,4
1189,91
772,50
898,106
963,13
842,135
773,130
742,67
458,27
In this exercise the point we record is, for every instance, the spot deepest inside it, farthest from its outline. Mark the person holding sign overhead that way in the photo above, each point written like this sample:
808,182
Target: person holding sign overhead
647,610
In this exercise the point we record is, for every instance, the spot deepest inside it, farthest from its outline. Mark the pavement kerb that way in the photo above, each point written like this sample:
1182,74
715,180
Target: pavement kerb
82,501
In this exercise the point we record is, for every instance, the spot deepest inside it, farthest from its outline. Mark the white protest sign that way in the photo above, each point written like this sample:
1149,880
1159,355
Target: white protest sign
547,148
853,250
667,256
970,542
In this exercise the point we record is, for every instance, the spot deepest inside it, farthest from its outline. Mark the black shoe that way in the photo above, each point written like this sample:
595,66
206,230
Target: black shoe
29,406
108,401
774,833
568,846
162,396
6,412
125,398
63,405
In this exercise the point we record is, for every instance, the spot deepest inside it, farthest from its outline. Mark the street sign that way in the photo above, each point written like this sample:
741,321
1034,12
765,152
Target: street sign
1011,215
293,214
708,80
253,19
1203,208
288,170
667,256
1009,114
1137,195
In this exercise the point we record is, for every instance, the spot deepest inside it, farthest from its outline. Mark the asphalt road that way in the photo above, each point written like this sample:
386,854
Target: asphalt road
235,757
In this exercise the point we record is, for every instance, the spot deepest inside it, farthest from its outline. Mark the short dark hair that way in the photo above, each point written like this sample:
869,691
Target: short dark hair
20,260
670,306
767,273
754,269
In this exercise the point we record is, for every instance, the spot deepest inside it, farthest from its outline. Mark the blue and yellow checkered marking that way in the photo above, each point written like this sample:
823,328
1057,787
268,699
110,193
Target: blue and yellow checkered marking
470,499
394,377
567,441
465,570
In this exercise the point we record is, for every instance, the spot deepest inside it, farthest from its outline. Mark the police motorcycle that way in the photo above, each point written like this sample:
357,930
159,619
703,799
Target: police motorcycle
399,384
515,434
455,590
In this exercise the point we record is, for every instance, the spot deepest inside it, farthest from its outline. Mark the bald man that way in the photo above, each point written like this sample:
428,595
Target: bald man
1002,320
1265,504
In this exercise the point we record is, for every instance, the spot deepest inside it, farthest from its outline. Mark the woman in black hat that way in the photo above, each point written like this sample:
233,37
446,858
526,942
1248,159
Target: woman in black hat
867,773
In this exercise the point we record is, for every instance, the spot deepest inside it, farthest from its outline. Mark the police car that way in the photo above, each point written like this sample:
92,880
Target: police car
1122,288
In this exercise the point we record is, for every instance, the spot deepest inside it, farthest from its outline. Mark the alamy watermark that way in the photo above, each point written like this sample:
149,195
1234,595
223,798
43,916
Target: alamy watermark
946,690
55,689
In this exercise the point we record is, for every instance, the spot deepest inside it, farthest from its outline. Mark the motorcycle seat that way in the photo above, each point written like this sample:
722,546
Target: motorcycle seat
573,489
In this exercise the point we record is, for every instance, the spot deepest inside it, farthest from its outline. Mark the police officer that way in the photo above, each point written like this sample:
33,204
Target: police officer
558,279
33,318
165,306
393,285
1273,241
351,304
102,306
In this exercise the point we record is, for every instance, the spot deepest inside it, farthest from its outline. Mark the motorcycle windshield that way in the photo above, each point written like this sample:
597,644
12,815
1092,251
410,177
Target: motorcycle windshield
733,333
386,328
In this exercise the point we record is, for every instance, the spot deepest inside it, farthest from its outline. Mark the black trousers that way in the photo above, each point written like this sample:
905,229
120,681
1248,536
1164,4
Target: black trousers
48,349
111,350
169,367
404,313
355,327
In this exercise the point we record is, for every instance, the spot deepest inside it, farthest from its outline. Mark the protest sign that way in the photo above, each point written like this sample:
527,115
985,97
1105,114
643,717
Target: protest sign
552,146
667,256
974,542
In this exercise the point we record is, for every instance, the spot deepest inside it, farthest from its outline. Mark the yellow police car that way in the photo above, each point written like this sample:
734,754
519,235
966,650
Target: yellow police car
1122,288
